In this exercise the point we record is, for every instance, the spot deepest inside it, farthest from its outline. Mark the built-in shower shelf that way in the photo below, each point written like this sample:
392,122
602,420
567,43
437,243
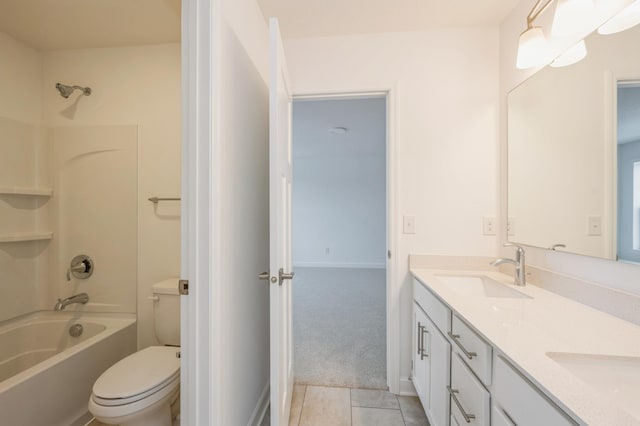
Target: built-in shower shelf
25,236
34,192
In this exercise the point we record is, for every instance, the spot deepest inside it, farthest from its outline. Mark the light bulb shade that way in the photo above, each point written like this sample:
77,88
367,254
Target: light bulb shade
533,49
571,56
572,17
627,18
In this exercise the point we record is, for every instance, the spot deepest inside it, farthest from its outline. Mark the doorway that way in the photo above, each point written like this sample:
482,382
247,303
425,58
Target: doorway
339,240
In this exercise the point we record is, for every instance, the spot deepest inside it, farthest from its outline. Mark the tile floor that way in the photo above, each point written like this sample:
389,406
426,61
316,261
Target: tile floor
335,406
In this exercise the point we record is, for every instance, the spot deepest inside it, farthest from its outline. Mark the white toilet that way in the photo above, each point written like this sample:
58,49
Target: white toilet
140,389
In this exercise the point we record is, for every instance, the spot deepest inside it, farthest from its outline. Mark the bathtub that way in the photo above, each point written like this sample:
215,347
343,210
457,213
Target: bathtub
46,375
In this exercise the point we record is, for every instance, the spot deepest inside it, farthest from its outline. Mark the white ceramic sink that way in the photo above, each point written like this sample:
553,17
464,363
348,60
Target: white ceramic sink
618,377
480,286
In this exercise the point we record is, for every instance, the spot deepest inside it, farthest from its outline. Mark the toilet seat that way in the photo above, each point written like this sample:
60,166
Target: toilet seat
138,376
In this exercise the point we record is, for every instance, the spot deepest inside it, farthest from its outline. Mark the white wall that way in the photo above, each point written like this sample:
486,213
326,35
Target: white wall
131,86
604,272
446,87
339,183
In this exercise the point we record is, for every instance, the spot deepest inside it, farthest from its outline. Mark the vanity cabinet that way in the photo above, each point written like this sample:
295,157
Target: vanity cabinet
431,359
461,379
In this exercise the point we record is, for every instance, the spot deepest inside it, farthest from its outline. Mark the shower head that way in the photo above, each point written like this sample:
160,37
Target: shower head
66,91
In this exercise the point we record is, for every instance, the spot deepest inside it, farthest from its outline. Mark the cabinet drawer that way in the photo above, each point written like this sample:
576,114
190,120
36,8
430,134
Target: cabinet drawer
521,400
468,396
475,351
437,311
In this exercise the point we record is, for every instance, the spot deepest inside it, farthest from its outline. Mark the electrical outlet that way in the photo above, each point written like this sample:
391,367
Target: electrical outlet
409,224
327,250
489,225
511,226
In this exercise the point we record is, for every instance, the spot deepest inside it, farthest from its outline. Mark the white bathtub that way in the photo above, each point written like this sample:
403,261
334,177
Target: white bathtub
46,375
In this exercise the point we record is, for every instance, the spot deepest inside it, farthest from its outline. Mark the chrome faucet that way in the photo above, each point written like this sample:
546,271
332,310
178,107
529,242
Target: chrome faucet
78,298
519,278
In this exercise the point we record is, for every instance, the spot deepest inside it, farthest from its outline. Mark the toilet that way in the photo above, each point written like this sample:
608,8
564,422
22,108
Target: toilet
140,389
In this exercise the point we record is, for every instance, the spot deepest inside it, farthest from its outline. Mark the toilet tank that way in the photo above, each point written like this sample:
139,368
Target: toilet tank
166,311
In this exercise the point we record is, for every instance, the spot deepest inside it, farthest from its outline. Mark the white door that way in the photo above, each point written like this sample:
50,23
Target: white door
280,231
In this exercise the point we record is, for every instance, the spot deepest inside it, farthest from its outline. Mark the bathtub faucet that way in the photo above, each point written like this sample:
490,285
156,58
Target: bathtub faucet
78,298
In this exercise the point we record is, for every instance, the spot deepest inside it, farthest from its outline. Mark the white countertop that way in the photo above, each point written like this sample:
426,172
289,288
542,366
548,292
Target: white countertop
524,330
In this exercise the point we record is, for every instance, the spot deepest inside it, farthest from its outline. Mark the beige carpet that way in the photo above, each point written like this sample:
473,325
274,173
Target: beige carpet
339,327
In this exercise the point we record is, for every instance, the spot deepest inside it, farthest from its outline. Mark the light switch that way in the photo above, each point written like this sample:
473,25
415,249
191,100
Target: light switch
409,224
595,225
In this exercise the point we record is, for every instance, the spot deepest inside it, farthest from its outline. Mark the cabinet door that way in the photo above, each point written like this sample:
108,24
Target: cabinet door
440,375
421,344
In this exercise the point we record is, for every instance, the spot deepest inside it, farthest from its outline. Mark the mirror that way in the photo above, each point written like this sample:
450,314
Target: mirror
570,131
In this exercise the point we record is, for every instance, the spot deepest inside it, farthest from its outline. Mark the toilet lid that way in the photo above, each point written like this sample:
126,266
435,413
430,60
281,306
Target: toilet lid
138,374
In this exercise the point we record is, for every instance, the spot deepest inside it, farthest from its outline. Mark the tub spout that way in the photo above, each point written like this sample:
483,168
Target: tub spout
78,298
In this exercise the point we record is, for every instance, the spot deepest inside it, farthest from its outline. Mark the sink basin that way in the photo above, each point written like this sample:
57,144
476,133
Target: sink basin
480,286
614,376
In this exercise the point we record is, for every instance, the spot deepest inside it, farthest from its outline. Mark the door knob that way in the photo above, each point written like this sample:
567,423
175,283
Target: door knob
265,276
284,276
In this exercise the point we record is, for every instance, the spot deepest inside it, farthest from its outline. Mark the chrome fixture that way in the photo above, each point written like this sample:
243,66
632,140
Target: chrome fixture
76,330
81,267
557,246
156,200
519,278
66,91
78,298
456,339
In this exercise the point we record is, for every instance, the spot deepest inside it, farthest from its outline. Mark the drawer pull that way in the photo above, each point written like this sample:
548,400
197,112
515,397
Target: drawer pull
456,339
423,355
419,338
467,417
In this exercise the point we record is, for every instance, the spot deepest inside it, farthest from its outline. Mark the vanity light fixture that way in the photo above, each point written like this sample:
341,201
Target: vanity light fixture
571,56
571,17
533,48
625,19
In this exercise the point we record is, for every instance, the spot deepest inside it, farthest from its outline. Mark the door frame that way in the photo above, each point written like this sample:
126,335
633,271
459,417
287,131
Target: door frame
201,366
393,289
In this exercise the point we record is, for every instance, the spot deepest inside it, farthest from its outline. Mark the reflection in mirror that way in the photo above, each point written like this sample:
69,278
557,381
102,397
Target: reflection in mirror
563,156
628,136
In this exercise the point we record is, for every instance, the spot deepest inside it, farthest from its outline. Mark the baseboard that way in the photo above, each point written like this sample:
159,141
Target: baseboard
339,265
261,408
406,387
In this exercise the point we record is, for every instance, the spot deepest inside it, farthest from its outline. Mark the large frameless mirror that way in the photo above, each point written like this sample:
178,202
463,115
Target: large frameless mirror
573,163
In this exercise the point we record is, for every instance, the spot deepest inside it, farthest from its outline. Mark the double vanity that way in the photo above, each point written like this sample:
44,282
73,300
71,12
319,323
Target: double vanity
486,352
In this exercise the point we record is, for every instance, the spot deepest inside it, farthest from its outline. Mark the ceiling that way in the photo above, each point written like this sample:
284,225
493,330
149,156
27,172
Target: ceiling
318,18
363,118
72,24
